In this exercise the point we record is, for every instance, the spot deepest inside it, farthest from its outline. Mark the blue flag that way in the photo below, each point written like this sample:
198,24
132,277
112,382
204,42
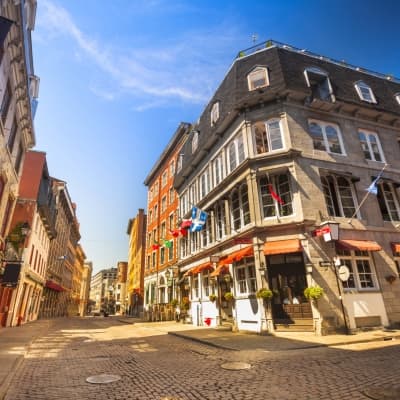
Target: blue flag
373,188
199,218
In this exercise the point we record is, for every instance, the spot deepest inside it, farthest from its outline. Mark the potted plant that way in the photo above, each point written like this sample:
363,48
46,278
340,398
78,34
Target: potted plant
185,303
228,296
174,303
212,297
313,292
264,294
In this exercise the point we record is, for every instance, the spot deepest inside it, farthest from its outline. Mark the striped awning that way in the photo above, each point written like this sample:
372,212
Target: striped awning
199,268
221,269
360,245
282,247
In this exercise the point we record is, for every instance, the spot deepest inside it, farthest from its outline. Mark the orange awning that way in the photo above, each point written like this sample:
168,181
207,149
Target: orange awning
222,269
361,245
198,269
282,247
396,247
237,255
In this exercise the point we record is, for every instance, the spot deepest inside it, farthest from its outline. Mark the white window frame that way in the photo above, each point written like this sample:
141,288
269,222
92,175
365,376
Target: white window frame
205,279
195,141
242,210
179,163
184,203
269,136
388,199
253,74
218,166
164,203
193,192
214,114
337,197
235,159
367,96
325,141
164,178
247,285
172,168
204,183
317,71
368,145
350,258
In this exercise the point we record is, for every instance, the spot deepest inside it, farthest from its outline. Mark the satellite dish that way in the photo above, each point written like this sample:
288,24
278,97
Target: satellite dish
344,273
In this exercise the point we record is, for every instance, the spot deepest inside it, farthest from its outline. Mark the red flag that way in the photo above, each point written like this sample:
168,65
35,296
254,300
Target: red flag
275,195
155,246
174,233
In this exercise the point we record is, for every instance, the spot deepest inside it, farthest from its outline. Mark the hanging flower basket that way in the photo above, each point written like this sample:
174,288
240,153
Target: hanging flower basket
264,294
313,292
228,296
212,297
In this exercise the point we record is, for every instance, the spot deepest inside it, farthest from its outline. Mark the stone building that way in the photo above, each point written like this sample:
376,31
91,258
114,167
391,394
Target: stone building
18,100
289,143
162,222
102,290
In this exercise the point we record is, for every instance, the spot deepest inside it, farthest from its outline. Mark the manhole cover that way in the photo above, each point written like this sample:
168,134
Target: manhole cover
103,378
380,393
236,365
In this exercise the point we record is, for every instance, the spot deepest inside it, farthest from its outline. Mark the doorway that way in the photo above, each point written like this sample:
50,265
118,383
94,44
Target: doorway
287,280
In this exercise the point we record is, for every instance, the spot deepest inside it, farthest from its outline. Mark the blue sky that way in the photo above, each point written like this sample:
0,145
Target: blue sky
117,77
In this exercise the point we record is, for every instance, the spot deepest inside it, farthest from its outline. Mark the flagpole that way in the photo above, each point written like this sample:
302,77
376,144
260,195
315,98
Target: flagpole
366,196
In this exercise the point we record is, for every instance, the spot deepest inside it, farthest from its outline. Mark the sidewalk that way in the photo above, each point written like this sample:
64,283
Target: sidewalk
14,344
279,341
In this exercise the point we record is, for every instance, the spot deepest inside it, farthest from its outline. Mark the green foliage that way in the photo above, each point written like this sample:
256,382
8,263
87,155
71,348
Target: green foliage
212,297
174,302
313,292
185,303
264,293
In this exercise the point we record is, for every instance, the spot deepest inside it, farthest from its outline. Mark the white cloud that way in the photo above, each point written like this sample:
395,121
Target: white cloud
183,70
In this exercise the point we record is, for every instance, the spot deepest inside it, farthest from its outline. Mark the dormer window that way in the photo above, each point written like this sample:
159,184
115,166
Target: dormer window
258,78
365,92
214,113
397,97
195,141
318,81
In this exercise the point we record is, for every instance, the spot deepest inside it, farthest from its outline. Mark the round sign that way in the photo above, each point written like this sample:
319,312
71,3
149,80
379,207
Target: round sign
344,273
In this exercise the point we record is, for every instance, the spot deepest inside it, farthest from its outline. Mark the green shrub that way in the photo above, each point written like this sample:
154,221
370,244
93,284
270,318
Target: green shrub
228,296
264,293
313,292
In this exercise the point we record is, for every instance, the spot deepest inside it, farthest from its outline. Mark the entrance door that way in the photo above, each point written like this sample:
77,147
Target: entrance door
225,306
287,279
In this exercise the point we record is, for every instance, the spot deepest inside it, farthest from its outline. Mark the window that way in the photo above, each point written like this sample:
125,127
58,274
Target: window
171,195
5,104
11,138
388,201
156,212
236,152
171,222
206,283
195,141
193,193
258,78
240,210
164,178
162,255
362,275
371,146
171,251
220,222
268,136
180,163
18,158
319,83
172,168
149,241
150,215
206,232
273,188
245,277
364,92
339,196
163,204
163,230
184,204
326,137
214,113
217,169
153,264
196,293
204,184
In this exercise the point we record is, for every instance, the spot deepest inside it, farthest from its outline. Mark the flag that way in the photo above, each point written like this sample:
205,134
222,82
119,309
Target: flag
168,243
5,25
155,246
199,218
175,233
373,188
274,195
186,223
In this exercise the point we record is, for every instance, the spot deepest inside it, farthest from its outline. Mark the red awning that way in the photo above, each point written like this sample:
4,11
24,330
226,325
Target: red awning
54,286
198,269
360,245
237,255
222,269
396,247
282,247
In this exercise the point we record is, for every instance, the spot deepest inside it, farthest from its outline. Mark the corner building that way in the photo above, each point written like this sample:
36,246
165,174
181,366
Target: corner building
290,142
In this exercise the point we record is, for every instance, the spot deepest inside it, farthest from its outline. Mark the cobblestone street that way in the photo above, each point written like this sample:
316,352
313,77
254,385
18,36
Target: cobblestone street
155,366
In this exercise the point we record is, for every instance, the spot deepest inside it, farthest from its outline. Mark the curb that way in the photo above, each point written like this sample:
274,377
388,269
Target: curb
206,342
